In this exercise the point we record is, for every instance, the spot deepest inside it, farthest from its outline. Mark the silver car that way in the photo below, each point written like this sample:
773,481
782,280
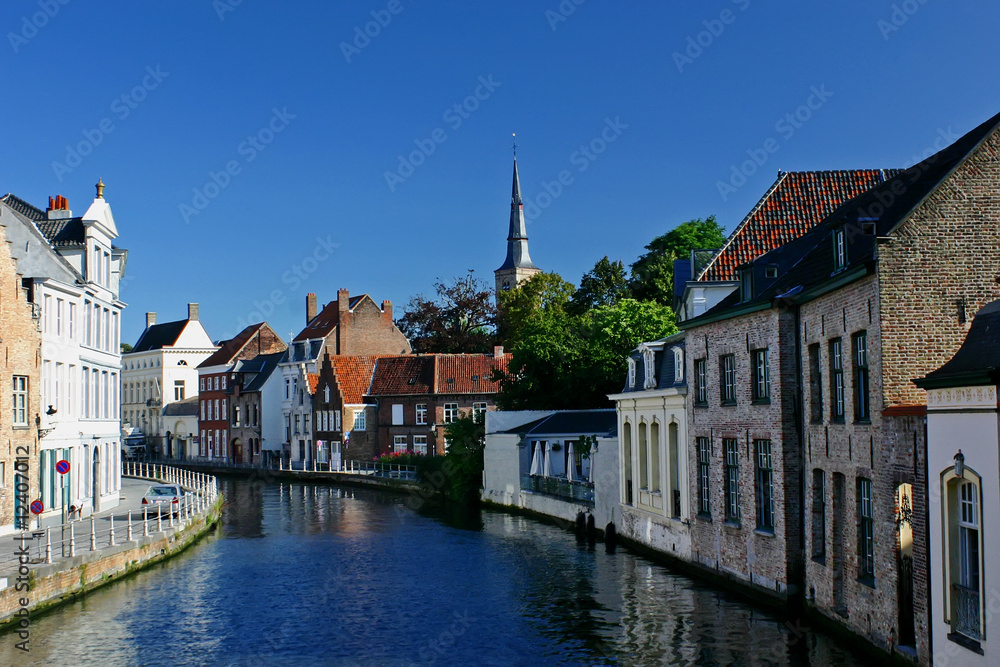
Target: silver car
163,499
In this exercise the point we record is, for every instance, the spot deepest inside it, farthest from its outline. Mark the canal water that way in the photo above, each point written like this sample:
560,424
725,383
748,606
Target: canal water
302,574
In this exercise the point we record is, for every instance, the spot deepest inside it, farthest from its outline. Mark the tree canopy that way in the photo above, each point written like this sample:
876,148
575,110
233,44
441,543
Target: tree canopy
653,273
604,285
461,318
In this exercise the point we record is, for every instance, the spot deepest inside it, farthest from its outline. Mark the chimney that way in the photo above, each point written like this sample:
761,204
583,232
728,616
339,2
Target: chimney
310,307
387,311
150,319
193,311
343,319
498,351
58,208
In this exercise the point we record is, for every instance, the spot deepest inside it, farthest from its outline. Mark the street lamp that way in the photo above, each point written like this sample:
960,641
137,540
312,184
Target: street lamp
960,464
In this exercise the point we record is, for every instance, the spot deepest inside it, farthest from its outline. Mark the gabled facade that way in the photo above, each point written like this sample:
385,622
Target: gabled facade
71,271
795,203
418,396
655,498
162,368
349,326
344,424
215,390
20,395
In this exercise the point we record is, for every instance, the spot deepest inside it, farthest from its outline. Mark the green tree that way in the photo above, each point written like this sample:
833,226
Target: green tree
463,464
653,273
604,285
126,348
542,294
462,318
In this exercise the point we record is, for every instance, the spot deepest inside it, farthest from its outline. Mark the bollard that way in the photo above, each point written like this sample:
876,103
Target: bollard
111,542
128,533
93,534
72,540
172,514
145,521
159,520
48,545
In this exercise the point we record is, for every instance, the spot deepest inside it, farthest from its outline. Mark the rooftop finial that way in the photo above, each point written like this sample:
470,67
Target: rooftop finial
514,147
100,188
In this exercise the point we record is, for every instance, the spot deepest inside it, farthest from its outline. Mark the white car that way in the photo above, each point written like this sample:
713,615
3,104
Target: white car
163,498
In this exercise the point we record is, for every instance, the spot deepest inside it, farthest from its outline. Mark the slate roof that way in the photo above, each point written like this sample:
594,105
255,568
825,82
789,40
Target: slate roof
230,348
23,207
794,204
977,362
65,232
186,408
263,366
436,374
572,422
159,336
663,365
327,318
806,264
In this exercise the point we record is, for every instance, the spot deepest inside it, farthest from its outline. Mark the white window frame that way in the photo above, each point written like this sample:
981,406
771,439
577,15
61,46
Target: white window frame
421,413
420,444
451,413
360,421
19,388
399,444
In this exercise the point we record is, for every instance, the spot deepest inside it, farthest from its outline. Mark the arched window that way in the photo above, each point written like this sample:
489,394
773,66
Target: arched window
963,565
182,363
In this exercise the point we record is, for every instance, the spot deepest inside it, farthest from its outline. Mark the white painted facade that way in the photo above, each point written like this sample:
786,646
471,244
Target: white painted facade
296,401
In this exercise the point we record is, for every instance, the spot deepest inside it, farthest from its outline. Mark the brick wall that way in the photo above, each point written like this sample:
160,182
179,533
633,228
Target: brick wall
367,329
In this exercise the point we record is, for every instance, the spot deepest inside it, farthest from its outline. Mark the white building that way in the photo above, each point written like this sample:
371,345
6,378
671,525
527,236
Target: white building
963,460
72,271
652,428
162,368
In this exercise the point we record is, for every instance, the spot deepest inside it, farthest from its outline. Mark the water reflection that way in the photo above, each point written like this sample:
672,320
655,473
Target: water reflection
323,575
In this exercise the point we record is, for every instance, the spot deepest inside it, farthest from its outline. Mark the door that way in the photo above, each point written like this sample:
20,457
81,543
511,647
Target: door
96,479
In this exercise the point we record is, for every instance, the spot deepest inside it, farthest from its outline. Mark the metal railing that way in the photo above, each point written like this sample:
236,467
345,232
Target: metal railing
368,468
559,487
66,540
965,602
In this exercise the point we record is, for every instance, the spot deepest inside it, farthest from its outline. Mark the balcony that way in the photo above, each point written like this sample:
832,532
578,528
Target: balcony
965,618
559,487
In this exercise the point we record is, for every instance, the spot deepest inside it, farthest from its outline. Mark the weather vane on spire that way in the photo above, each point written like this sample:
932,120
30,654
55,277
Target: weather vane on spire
514,147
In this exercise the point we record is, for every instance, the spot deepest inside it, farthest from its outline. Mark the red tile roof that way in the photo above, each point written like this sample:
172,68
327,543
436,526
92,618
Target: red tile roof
796,202
436,374
354,375
313,382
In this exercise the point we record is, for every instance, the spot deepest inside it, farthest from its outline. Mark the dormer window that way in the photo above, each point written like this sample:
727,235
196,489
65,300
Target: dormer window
648,359
771,272
631,373
678,365
839,249
746,284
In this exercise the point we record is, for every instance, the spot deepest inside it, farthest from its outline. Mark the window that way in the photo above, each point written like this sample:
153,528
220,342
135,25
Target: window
397,414
746,284
421,413
359,420
815,385
761,388
178,390
631,373
819,515
450,412
216,414
216,383
72,321
399,443
839,249
727,378
678,365
965,559
732,490
223,381
479,409
236,415
298,424
700,382
203,410
20,400
288,386
648,369
862,403
836,381
420,444
326,394
201,384
765,485
866,532
704,463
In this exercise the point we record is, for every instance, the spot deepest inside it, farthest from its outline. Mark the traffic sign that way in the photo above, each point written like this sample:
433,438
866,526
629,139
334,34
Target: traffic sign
62,467
37,507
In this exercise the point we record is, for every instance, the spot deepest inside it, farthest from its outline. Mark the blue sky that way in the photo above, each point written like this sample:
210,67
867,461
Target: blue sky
245,145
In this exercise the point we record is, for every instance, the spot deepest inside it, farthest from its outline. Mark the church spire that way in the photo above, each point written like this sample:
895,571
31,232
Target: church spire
518,265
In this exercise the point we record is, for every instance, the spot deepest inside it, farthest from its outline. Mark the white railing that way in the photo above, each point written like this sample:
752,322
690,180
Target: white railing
49,544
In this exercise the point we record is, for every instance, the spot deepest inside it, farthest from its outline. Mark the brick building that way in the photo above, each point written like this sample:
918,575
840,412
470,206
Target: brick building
417,396
20,396
253,383
349,326
215,390
846,316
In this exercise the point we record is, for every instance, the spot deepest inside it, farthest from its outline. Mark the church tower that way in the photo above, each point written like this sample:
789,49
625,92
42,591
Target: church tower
518,266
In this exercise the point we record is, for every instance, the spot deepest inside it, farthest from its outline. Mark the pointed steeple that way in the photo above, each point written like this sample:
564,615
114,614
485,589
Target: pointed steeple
518,266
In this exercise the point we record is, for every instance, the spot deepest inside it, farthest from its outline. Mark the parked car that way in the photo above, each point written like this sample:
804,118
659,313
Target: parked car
163,498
